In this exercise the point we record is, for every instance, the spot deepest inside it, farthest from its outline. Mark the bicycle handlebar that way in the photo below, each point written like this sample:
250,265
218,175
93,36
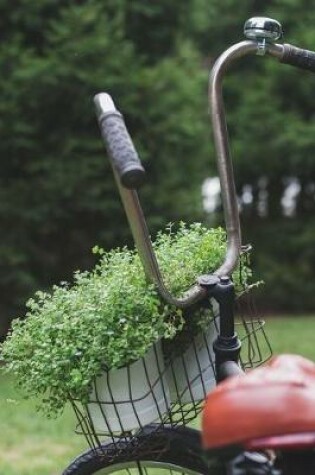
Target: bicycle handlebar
129,172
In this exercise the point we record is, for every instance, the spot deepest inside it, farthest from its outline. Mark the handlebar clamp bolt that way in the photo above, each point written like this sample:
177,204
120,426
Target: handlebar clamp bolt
225,279
208,280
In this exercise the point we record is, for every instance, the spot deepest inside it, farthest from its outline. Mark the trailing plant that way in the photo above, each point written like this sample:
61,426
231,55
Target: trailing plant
108,317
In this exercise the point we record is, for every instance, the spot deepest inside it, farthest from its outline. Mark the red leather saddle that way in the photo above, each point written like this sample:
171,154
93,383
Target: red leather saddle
274,402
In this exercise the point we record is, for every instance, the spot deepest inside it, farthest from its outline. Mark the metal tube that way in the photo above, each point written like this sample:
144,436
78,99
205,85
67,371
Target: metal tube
221,141
224,163
144,246
275,50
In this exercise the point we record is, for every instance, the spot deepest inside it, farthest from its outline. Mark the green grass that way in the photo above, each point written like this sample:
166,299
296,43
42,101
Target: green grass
292,335
29,443
33,445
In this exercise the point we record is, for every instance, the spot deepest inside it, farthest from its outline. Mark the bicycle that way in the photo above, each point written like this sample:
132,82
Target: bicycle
175,447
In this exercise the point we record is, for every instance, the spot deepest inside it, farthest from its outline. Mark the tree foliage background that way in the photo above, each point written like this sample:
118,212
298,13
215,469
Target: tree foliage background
57,195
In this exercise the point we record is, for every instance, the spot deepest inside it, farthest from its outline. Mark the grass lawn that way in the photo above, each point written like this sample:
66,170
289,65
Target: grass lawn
29,443
292,335
32,445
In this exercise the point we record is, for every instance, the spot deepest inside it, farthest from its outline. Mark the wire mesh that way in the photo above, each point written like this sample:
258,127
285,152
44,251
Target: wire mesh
167,386
256,348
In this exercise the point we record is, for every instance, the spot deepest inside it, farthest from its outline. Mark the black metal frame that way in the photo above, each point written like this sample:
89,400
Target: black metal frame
227,346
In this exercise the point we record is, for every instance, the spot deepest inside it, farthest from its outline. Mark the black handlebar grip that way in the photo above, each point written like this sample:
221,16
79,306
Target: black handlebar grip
118,142
121,150
301,58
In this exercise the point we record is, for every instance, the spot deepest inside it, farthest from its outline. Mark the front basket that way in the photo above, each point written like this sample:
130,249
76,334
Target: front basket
165,387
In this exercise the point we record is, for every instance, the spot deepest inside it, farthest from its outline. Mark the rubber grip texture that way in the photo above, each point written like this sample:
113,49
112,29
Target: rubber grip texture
121,150
301,58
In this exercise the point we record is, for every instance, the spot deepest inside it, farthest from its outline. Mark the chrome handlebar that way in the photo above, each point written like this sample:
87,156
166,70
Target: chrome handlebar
262,31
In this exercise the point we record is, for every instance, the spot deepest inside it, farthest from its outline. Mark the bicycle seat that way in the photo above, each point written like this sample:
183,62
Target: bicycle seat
277,399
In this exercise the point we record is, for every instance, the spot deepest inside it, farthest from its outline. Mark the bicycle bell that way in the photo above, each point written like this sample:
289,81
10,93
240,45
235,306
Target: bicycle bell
263,29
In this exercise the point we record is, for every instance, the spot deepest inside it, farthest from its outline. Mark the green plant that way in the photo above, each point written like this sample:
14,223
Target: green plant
108,318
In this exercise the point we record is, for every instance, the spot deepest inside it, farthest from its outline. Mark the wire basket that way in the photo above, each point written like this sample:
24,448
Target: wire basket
166,387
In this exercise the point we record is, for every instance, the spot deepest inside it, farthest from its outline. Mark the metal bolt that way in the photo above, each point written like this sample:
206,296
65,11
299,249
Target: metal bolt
225,279
208,280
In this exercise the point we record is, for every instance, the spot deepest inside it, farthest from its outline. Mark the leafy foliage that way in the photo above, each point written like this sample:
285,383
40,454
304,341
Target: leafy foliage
108,318
57,195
